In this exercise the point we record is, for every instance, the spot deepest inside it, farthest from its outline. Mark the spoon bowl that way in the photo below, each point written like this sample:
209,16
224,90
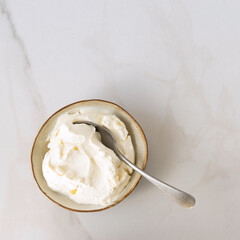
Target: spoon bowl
40,148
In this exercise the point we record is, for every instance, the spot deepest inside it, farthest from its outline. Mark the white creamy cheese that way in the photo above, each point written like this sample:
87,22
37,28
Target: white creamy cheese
79,166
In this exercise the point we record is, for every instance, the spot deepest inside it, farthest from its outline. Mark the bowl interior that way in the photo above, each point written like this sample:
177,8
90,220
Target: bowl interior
40,148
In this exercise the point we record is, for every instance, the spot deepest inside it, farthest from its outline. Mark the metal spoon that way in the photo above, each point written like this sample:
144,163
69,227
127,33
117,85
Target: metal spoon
180,197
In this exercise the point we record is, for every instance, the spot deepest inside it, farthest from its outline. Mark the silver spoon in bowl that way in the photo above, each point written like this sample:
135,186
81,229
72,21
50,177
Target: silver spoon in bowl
180,197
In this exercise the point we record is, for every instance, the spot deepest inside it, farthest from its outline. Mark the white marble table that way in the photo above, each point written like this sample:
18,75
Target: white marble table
174,65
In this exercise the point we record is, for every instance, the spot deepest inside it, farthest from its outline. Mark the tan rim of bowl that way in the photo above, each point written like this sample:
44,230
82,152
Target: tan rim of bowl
124,196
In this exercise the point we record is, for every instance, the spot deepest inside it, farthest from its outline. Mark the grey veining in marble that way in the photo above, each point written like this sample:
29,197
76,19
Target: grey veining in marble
174,65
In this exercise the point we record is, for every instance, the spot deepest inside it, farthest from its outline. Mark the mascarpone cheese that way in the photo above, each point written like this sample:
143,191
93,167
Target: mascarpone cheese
79,166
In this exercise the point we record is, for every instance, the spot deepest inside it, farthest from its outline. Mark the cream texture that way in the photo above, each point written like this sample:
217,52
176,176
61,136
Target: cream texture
79,166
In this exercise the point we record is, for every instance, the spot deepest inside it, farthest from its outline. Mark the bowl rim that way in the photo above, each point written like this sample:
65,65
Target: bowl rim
144,163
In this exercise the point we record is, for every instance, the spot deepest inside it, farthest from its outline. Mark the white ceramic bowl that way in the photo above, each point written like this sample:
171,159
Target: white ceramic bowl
40,148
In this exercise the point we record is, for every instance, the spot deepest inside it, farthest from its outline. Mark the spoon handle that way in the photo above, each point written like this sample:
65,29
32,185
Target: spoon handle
180,197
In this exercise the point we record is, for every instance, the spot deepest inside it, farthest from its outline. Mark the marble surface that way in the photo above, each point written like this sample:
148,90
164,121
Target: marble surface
173,64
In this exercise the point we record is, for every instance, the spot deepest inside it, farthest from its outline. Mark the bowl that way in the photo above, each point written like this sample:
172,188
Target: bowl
40,148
